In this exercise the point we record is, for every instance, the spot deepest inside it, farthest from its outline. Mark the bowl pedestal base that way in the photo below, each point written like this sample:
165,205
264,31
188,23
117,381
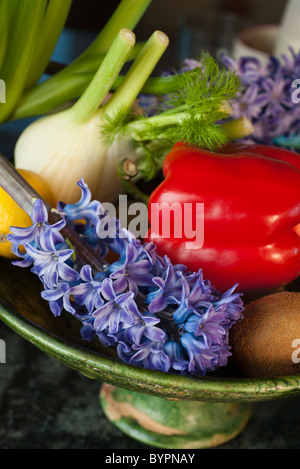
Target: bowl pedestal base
173,424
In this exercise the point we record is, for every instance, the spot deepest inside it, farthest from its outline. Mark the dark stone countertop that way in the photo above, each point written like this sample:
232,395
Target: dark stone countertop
46,405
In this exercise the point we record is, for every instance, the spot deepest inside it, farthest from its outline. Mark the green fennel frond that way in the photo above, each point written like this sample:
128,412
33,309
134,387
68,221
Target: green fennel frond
112,127
192,113
203,132
205,87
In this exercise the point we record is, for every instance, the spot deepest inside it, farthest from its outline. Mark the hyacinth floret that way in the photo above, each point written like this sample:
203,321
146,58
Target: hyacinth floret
156,314
266,96
37,235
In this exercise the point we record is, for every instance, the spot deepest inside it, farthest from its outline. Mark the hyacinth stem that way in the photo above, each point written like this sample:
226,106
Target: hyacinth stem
24,195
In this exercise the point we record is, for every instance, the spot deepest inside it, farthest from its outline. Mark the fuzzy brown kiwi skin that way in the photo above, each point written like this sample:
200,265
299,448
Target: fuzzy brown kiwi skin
262,342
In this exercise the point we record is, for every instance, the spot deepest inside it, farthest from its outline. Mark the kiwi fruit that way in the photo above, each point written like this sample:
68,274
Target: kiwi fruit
266,342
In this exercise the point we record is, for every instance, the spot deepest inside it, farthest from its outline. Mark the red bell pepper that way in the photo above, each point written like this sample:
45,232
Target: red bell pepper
275,153
251,197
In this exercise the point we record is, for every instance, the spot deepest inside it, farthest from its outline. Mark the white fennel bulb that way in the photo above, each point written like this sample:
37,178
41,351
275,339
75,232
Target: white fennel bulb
63,152
69,145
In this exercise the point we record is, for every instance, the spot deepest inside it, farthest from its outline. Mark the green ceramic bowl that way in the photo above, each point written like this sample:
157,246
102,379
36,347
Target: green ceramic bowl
161,409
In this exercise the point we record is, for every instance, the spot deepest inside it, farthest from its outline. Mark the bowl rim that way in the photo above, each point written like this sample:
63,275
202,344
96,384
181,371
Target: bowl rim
157,383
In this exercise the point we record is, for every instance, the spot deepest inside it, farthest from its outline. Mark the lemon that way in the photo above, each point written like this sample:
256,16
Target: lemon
12,215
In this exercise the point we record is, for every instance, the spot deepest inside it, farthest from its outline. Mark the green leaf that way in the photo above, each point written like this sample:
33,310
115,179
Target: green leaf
4,29
23,36
53,23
